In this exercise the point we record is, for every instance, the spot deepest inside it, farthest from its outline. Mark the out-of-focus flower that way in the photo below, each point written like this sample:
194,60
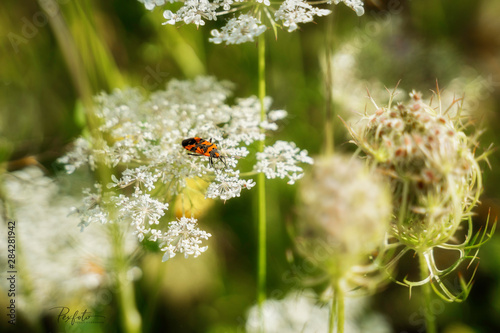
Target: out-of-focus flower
247,25
346,212
142,136
352,73
57,264
301,312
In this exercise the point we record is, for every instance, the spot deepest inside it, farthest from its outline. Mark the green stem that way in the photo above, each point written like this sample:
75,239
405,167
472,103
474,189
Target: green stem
337,311
261,182
404,204
333,309
329,42
430,319
129,315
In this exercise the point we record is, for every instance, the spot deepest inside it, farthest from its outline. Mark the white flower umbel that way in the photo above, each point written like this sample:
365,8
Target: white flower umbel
144,138
238,30
292,12
91,210
248,24
280,161
183,236
228,186
142,210
140,177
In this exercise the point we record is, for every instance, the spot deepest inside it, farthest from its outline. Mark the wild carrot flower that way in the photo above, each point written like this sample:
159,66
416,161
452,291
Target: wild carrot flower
435,179
249,24
142,136
345,214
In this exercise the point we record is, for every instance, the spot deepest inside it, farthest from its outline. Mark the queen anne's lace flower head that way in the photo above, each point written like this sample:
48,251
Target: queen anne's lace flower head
435,179
430,163
143,138
248,24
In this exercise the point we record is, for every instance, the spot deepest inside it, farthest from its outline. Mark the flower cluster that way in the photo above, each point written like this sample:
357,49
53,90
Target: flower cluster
141,137
183,236
247,25
434,177
280,161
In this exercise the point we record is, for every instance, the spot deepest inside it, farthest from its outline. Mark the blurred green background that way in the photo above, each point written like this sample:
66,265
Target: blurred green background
121,44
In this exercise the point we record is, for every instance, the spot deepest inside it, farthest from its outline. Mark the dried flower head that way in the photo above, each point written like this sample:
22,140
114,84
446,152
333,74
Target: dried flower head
435,179
346,213
142,136
247,25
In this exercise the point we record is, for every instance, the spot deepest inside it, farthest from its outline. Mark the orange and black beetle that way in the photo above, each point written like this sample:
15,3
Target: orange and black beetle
203,147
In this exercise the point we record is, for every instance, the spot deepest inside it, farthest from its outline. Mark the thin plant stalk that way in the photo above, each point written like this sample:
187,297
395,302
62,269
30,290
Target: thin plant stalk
261,183
337,310
430,318
340,310
129,315
331,320
329,112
